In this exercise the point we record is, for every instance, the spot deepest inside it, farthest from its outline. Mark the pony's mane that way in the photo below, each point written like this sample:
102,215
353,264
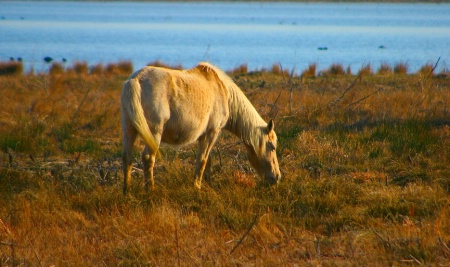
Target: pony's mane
244,120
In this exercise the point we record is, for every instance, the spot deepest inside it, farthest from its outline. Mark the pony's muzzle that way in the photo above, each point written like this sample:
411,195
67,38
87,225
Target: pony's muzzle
273,179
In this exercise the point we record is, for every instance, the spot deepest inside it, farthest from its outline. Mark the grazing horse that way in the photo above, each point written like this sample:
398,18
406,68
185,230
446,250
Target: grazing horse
179,107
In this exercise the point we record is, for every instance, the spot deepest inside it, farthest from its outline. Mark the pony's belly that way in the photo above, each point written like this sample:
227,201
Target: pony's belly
181,136
177,140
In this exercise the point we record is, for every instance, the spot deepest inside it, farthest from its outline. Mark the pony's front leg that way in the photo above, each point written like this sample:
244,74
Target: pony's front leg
205,144
148,161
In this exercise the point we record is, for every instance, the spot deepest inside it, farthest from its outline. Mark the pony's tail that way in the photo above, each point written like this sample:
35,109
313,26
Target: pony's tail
132,107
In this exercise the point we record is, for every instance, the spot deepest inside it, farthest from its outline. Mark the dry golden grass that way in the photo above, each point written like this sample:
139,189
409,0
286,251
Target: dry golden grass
365,163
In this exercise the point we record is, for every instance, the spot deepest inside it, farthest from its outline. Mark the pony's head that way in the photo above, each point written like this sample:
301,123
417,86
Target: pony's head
264,157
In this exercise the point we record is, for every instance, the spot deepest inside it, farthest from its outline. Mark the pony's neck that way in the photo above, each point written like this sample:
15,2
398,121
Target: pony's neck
244,121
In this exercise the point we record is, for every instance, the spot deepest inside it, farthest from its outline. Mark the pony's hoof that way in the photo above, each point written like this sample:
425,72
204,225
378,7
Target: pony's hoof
198,185
150,188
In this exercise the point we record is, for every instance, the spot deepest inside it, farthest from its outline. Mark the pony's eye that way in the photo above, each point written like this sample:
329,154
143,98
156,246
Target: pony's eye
270,146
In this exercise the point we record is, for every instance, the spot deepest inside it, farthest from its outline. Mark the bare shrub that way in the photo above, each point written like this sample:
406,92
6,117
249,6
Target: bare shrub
241,69
80,67
384,69
112,69
159,63
125,67
365,70
11,68
426,70
310,71
277,69
336,69
97,69
56,69
349,70
401,68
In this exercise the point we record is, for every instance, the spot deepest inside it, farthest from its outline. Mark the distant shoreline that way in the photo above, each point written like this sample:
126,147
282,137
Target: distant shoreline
262,1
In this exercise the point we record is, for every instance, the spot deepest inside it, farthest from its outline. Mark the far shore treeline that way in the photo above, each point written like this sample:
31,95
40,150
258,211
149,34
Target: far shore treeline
16,67
300,1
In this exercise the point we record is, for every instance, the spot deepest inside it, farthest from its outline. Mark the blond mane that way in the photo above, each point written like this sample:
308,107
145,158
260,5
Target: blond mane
244,121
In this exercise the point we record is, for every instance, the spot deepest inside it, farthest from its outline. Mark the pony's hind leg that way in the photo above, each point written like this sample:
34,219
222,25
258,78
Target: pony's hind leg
129,136
149,157
148,161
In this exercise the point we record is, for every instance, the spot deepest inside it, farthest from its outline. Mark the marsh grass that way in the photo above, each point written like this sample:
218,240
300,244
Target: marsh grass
364,162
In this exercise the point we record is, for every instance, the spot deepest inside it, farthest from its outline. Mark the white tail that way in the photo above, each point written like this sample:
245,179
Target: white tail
131,105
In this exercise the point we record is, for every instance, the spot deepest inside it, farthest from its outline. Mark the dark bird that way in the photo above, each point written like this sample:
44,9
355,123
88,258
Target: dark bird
48,59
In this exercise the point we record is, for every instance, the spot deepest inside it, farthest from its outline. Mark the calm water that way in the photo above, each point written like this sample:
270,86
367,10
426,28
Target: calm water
227,34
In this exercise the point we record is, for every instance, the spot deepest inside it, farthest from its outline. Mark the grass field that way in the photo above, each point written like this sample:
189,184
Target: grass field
365,162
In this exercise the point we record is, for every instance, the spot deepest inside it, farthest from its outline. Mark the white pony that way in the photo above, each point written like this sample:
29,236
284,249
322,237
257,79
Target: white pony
179,107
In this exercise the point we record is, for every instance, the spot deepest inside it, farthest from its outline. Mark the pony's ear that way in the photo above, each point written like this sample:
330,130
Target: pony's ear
270,125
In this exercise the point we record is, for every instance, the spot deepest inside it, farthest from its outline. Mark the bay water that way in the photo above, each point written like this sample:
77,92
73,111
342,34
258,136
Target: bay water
227,34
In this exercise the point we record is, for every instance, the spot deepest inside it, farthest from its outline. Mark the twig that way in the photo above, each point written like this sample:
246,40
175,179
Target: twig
434,68
364,98
383,240
35,253
264,98
416,260
75,115
220,156
10,158
177,243
317,246
291,94
290,84
6,228
274,105
332,103
13,253
245,234
444,248
230,145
